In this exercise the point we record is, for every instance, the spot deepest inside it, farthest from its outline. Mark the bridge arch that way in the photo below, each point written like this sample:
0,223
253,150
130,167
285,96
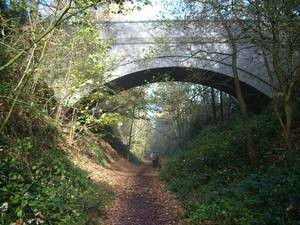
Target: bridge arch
191,51
254,98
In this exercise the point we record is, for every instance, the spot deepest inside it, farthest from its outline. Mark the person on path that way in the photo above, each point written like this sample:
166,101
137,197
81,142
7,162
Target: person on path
156,159
152,156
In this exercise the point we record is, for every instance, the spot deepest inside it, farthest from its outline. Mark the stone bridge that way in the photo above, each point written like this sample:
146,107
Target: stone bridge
189,51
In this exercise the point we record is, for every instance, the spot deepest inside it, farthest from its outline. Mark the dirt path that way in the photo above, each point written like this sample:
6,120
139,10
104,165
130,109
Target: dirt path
141,199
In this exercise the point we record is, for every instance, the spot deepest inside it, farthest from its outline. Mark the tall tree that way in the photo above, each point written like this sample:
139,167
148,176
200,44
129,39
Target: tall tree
222,11
273,26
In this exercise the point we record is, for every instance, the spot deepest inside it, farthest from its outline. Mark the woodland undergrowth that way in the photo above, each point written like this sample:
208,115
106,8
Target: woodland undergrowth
217,185
39,184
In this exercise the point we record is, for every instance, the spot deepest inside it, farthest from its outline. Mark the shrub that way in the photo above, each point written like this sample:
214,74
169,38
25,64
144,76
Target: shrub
217,185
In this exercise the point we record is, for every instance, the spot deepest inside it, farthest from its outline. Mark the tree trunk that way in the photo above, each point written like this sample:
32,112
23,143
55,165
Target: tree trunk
251,149
221,106
130,132
288,104
72,128
213,104
58,112
229,107
288,107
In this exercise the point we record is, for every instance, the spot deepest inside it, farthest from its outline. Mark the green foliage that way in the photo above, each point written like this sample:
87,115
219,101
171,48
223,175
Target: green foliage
39,183
224,211
259,198
77,59
215,182
94,111
106,119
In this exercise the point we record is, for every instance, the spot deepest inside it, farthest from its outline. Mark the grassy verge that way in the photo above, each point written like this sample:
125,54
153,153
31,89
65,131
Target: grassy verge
214,181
